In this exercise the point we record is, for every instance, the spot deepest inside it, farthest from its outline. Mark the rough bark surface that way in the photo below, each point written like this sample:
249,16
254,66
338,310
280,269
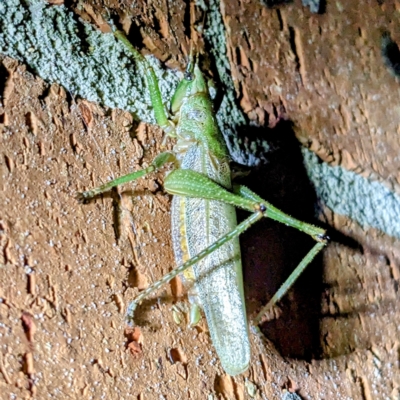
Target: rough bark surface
69,270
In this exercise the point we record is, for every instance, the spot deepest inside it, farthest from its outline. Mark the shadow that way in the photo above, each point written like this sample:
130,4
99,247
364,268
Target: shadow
390,53
271,251
314,6
339,237
307,324
275,3
4,77
145,312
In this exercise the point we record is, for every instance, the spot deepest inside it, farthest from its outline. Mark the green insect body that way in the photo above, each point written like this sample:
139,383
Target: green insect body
198,223
204,227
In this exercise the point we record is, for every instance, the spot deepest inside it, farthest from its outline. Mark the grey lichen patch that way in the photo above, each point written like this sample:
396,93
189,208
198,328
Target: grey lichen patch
88,63
346,193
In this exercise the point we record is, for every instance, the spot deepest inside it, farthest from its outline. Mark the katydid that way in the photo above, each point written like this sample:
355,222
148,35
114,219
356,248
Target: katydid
204,227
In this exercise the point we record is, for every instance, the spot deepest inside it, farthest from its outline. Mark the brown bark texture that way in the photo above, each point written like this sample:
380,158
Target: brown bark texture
68,270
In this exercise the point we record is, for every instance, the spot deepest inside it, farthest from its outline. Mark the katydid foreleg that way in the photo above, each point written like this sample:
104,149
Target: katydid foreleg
242,227
160,113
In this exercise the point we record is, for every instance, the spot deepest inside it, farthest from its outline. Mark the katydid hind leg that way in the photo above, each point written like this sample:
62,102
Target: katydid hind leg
243,226
192,184
317,233
289,282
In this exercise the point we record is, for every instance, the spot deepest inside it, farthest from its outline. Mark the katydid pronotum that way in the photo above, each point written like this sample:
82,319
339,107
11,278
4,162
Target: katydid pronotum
204,228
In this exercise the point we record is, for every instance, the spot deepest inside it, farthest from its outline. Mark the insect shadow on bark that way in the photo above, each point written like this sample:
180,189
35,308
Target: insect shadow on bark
271,251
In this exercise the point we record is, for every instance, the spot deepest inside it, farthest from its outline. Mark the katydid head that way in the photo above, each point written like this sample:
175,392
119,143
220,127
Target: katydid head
192,83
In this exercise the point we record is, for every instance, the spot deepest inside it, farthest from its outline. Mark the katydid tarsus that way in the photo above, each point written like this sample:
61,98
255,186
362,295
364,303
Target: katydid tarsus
204,228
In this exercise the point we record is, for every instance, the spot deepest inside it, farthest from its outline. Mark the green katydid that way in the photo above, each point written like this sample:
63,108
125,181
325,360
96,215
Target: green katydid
204,227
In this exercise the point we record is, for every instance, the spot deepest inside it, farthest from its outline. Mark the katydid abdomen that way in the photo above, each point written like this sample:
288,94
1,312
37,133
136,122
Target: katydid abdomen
217,279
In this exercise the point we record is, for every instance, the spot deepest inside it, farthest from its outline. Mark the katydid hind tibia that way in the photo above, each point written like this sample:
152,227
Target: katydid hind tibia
204,228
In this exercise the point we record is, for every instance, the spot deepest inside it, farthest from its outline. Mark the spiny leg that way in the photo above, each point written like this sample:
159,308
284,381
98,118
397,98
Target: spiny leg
243,226
157,163
274,213
160,112
278,215
192,184
285,287
184,182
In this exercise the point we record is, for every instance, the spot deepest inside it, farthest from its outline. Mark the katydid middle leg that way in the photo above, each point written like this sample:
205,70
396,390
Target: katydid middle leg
157,163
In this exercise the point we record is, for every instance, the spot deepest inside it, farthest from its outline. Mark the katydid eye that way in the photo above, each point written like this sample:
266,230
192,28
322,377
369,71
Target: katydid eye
188,76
